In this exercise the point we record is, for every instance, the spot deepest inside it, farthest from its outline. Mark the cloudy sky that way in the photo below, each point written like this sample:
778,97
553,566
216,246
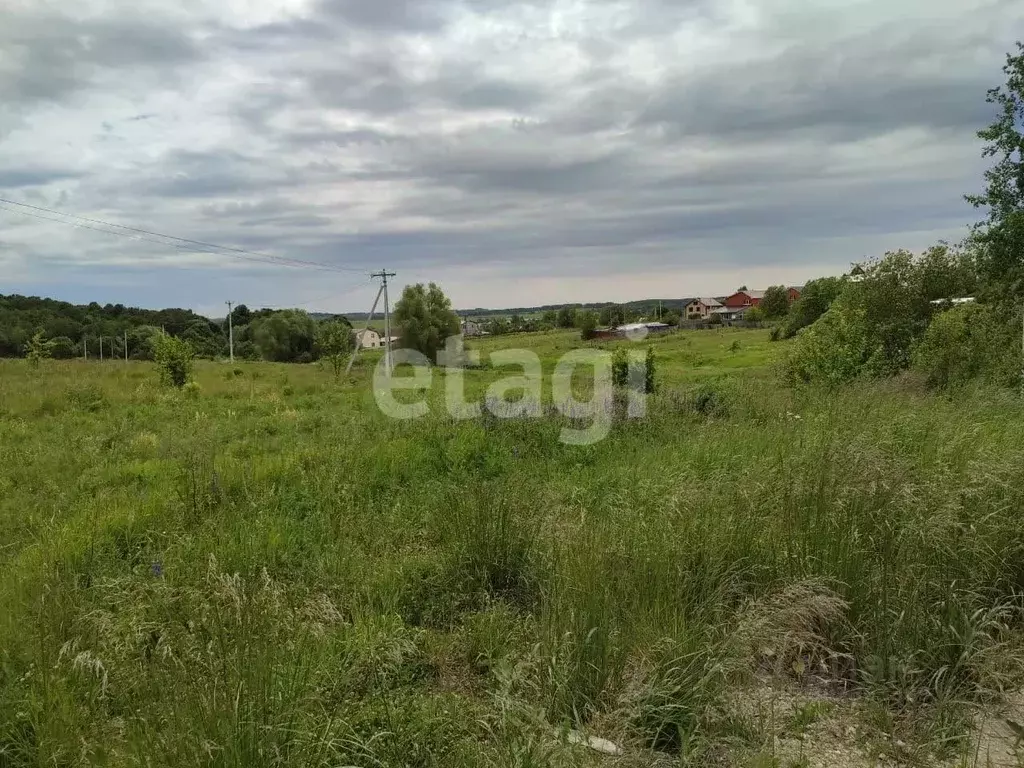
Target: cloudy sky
518,153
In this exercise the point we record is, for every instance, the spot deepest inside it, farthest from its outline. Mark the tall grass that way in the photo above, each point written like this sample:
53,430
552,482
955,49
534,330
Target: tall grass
270,577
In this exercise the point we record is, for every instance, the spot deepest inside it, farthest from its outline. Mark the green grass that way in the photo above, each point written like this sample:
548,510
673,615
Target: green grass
268,571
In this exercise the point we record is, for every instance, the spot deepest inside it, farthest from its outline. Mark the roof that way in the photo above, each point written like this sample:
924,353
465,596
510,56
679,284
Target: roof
728,310
797,288
708,301
640,326
752,294
361,331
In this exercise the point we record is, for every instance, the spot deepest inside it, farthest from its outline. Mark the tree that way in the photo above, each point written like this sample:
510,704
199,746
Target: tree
1001,236
38,348
550,318
815,299
241,315
174,359
567,317
588,324
288,336
425,319
334,342
775,303
742,288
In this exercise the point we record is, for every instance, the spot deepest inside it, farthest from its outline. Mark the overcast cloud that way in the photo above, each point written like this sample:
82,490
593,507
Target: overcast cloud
518,153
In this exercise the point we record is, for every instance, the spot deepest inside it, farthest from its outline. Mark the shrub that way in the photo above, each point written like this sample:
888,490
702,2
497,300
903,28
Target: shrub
173,359
967,342
192,390
621,373
833,350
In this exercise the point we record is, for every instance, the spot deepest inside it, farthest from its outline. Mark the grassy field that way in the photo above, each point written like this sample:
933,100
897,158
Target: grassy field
267,571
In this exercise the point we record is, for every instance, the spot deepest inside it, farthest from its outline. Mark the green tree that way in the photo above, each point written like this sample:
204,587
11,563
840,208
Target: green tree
38,348
241,315
588,324
815,299
967,342
775,303
334,342
1001,236
550,317
173,358
567,317
424,319
288,336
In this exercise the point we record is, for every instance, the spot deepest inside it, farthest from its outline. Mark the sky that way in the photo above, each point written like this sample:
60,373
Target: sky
516,153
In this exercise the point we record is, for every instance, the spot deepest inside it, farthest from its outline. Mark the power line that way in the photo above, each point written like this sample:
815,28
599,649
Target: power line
179,242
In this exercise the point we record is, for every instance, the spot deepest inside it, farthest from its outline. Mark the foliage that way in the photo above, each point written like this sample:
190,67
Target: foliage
240,315
874,324
775,303
835,349
621,373
550,317
173,358
285,337
22,316
64,348
969,342
754,314
567,317
815,299
38,349
424,319
588,324
334,342
1001,237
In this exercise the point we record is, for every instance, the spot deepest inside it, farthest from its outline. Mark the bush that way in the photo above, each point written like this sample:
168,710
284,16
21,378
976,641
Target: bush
833,350
173,359
620,370
192,390
968,342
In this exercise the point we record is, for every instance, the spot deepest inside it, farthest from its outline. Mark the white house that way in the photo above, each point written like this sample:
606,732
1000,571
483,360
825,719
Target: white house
368,339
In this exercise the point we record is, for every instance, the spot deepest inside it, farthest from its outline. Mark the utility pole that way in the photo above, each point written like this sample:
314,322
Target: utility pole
101,349
384,275
231,334
126,346
85,346
382,291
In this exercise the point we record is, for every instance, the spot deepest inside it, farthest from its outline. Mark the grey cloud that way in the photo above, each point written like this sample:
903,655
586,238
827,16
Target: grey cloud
33,177
47,57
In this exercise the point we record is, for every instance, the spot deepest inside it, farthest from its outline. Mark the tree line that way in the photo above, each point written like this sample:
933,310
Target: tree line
288,335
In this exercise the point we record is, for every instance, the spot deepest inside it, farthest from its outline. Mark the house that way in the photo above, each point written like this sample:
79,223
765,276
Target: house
728,314
794,292
367,338
701,309
472,328
744,298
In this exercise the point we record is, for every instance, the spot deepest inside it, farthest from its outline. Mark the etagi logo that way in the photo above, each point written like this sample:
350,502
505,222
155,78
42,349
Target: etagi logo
520,395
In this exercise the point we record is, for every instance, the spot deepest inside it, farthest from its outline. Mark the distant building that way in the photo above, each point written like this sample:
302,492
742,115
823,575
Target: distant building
728,314
368,339
745,298
472,328
701,309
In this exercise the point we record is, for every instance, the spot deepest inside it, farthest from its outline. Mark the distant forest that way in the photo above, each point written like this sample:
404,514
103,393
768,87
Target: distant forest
282,335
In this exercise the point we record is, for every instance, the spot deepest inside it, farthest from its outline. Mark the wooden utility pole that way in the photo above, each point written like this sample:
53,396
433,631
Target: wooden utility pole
231,334
126,346
384,275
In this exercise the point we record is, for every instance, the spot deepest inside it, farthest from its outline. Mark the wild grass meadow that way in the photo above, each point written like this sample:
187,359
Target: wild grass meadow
264,570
